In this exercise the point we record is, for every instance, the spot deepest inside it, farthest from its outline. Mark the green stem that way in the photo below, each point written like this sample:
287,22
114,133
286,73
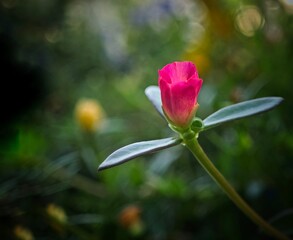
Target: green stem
206,163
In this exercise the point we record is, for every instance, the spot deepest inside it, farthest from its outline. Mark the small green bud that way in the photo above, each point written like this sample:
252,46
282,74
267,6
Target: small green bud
197,125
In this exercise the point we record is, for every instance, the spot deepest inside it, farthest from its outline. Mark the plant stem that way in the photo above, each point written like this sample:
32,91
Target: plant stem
206,163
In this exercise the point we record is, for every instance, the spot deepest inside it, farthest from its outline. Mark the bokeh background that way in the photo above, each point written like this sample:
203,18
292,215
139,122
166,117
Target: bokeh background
73,75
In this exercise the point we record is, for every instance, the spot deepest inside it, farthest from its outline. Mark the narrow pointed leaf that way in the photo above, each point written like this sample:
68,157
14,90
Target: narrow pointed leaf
153,93
134,150
241,110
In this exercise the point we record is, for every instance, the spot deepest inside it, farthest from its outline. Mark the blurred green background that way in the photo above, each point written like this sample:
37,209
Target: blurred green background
73,75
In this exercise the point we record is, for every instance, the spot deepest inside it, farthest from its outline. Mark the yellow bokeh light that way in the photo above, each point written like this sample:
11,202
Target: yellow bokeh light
248,20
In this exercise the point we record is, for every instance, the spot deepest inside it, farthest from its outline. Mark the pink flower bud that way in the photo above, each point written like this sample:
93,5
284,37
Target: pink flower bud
180,85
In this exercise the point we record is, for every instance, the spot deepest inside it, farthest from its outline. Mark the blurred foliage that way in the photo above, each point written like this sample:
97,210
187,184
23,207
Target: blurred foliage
56,53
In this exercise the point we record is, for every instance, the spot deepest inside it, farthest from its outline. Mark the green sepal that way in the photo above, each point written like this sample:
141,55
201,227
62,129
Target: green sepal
134,150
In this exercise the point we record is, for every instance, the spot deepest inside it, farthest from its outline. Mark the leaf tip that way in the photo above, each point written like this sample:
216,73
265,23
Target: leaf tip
101,167
275,101
150,89
104,165
279,99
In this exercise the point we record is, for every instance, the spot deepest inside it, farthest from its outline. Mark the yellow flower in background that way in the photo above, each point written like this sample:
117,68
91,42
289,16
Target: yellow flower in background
56,213
23,233
89,114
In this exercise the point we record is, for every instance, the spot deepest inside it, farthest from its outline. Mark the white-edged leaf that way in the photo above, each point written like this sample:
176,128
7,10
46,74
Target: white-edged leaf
153,93
134,150
241,110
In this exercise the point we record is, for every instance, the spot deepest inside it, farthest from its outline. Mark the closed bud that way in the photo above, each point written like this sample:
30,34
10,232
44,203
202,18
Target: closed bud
197,125
180,85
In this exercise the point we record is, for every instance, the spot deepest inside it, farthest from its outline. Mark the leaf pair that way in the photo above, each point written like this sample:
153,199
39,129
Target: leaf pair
226,114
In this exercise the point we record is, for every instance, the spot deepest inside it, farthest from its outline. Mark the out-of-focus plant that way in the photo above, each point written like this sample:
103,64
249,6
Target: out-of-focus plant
23,233
176,100
57,213
130,218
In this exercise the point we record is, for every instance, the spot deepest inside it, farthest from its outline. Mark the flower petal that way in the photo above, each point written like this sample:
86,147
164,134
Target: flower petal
166,96
185,70
183,102
196,83
164,75
178,71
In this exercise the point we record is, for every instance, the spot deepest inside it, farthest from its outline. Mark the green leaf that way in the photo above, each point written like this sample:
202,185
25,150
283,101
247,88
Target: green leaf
153,93
241,110
134,150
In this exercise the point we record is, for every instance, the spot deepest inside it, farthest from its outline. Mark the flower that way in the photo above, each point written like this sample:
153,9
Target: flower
56,213
89,114
130,218
179,84
23,233
129,215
